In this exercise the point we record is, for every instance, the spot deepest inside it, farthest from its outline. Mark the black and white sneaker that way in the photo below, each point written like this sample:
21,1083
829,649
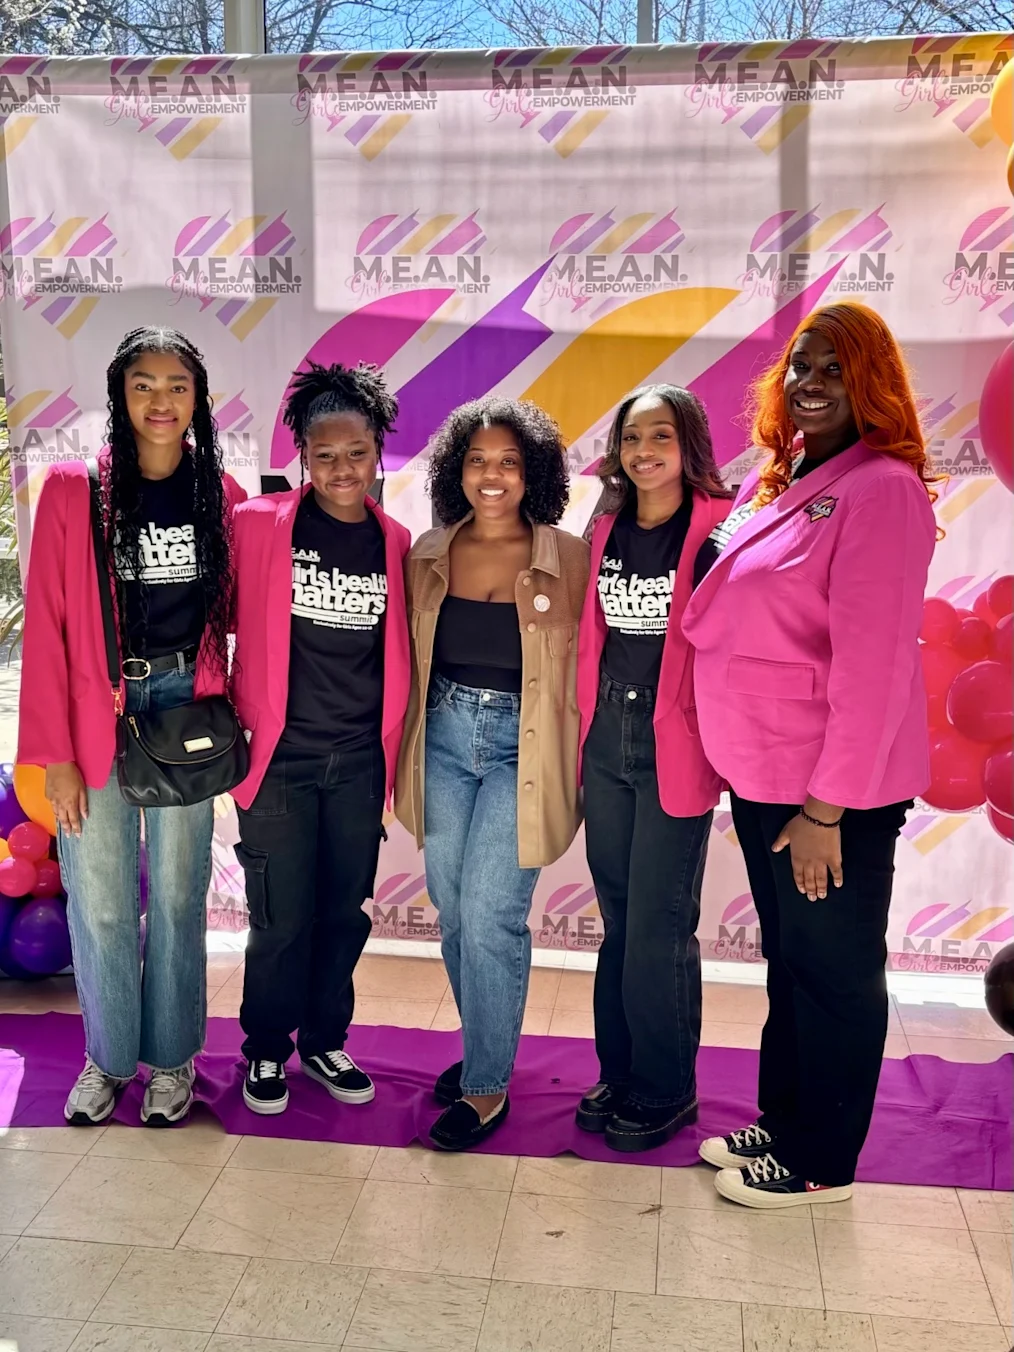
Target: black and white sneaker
768,1186
340,1076
264,1089
736,1149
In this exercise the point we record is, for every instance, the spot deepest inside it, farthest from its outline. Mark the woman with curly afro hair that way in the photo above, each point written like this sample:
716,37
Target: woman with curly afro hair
494,597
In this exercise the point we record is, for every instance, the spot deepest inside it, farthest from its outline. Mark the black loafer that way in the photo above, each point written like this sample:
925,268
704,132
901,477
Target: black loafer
599,1106
447,1089
459,1127
639,1128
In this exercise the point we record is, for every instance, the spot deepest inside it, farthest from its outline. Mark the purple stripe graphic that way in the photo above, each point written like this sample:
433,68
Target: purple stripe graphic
395,235
172,129
593,233
372,231
768,229
189,232
757,121
359,129
945,922
271,237
596,56
459,237
567,229
968,117
18,65
91,239
794,231
797,51
231,411
524,58
210,238
58,309
393,61
860,235
229,311
555,125
999,236
655,236
203,65
54,413
31,242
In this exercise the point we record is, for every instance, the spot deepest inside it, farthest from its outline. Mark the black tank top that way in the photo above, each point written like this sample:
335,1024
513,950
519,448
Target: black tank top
478,644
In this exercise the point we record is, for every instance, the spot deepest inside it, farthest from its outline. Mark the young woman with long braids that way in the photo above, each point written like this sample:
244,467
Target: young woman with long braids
487,776
166,507
649,791
321,683
811,703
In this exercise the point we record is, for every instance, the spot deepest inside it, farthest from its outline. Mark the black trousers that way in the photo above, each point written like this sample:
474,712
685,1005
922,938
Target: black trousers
647,869
309,847
823,1043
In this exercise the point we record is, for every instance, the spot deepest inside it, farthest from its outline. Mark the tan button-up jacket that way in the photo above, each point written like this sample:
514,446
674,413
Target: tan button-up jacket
548,809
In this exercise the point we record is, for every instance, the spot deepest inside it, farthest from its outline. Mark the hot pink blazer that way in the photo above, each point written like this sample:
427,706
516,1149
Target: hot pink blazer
807,669
66,706
260,687
687,784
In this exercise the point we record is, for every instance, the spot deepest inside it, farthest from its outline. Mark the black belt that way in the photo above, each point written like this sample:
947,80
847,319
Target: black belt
140,668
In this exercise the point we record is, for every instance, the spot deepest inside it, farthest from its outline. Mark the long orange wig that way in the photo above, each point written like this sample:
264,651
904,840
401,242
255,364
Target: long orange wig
876,377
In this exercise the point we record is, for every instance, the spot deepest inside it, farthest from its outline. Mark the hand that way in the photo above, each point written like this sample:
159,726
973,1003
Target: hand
815,851
66,790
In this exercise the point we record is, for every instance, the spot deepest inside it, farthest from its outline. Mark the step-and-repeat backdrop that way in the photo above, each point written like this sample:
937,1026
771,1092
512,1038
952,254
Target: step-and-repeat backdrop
555,224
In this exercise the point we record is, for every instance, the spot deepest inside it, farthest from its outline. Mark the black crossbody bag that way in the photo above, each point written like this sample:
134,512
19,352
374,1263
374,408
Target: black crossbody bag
166,757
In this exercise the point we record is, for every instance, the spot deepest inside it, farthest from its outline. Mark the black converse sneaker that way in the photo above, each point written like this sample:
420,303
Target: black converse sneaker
340,1076
736,1149
768,1185
264,1089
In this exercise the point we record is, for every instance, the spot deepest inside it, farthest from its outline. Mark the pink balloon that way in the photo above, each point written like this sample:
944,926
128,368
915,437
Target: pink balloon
49,884
940,666
29,841
980,607
1002,642
996,417
1000,822
956,771
939,621
973,639
980,703
998,779
17,877
936,712
1000,597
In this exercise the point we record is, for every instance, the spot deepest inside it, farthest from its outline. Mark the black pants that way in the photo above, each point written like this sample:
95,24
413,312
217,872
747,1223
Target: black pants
823,1042
309,847
647,869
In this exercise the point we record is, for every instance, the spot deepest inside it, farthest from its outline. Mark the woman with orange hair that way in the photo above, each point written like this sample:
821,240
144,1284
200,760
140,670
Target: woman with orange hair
811,704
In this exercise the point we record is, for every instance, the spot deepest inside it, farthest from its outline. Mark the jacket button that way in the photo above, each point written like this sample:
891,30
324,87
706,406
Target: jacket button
531,626
530,733
526,582
529,786
532,683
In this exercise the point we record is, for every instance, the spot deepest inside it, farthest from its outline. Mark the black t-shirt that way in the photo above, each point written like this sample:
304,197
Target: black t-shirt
635,585
166,613
336,651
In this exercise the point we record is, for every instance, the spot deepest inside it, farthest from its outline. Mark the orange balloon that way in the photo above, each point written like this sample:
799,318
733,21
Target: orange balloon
1010,170
1001,104
5,851
30,789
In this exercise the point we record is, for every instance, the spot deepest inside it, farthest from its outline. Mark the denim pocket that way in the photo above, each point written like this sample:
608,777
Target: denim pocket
255,866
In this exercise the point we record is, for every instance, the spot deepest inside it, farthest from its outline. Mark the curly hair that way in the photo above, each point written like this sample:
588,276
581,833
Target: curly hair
121,490
876,378
700,469
320,391
547,488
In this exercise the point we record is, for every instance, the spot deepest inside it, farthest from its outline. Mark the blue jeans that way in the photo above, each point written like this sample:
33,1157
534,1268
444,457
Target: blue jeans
472,874
153,1013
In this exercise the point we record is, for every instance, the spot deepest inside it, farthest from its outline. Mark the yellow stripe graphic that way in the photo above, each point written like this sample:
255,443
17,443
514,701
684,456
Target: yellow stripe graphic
963,418
815,239
13,134
187,143
936,835
381,138
62,236
75,319
429,231
579,132
239,236
619,235
22,409
976,924
956,503
358,60
783,126
247,321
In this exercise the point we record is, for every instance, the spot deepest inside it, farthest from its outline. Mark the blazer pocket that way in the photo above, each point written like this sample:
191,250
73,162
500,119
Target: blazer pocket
770,680
690,721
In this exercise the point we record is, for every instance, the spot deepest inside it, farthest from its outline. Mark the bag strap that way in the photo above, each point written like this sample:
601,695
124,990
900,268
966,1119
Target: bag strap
105,591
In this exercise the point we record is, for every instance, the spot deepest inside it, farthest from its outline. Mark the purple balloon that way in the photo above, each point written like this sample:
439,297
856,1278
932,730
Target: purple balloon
39,939
11,811
9,907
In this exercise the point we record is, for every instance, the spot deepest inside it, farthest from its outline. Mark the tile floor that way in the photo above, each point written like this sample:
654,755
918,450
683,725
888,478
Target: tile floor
193,1241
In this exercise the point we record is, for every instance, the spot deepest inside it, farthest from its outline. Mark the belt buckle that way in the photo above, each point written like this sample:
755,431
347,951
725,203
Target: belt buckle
141,661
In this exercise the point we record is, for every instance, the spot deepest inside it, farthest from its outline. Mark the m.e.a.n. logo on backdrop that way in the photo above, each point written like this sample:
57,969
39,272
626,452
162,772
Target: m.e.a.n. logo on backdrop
59,268
983,273
368,98
562,95
955,75
792,248
598,255
180,101
402,253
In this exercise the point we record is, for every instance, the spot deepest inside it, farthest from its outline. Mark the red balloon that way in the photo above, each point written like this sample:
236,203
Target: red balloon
973,639
980,607
49,883
936,712
1000,647
1000,596
996,417
29,841
980,703
1000,822
998,778
939,621
956,770
940,665
962,613
17,877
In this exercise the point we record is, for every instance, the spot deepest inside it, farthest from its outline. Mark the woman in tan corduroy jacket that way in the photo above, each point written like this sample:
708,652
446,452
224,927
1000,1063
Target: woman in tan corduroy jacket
487,777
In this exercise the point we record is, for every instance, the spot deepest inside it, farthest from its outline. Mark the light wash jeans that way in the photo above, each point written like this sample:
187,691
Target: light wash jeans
153,1013
472,874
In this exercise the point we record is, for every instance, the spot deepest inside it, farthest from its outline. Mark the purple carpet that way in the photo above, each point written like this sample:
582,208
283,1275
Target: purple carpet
936,1122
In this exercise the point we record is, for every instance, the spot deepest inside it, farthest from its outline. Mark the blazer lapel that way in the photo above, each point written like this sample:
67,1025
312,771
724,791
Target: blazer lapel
279,592
675,647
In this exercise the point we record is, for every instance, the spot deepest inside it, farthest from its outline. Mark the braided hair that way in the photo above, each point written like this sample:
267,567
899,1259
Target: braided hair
322,391
122,489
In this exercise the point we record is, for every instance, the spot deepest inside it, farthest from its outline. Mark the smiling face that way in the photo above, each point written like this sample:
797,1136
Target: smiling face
650,445
341,460
493,473
815,395
160,398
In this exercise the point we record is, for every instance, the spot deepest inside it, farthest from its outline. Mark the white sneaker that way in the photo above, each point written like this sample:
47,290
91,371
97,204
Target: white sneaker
93,1097
264,1088
768,1185
168,1096
736,1150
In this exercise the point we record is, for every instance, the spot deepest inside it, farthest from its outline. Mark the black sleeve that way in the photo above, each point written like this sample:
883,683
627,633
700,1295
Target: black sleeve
706,556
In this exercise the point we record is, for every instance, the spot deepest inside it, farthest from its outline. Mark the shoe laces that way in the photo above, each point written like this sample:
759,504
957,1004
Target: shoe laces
270,1070
92,1078
341,1061
751,1136
766,1169
165,1081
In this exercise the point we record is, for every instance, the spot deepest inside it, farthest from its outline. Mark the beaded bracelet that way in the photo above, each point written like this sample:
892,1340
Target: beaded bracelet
815,821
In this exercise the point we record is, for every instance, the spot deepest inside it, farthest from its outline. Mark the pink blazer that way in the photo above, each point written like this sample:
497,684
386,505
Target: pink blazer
260,687
66,706
808,672
687,784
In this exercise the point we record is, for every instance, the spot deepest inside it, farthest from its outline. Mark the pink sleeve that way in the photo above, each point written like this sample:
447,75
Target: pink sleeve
875,594
44,708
